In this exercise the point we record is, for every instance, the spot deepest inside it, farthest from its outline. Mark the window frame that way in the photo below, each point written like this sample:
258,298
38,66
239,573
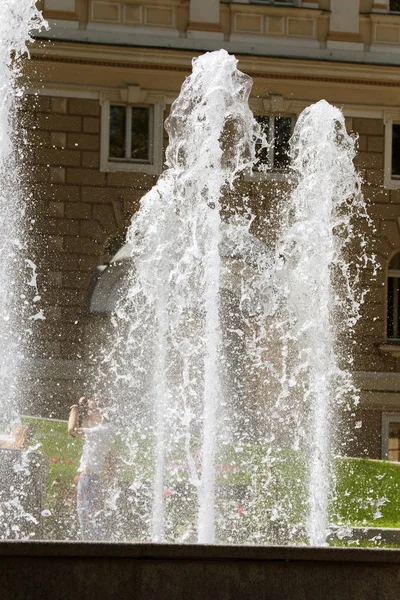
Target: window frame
390,119
390,273
387,418
152,167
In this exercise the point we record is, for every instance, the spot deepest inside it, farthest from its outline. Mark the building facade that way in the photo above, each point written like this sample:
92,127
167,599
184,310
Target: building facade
99,85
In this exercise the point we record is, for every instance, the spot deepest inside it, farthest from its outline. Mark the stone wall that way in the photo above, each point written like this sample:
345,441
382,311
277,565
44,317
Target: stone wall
77,210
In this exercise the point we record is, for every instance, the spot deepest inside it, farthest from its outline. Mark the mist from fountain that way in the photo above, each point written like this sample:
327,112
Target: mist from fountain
18,19
17,272
319,288
213,322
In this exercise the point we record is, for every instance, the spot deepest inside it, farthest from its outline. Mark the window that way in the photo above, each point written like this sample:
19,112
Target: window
391,436
392,149
131,132
278,131
395,170
394,5
393,299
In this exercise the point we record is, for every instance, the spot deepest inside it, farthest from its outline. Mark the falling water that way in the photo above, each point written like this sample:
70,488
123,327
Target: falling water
17,19
319,287
176,238
194,367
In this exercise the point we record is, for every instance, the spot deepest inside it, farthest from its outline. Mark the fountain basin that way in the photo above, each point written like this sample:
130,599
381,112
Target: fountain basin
153,572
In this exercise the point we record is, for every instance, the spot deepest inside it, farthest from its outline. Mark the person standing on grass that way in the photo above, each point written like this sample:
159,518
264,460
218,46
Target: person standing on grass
87,420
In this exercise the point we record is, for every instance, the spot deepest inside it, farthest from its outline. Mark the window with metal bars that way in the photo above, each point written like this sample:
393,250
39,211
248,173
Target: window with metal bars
277,131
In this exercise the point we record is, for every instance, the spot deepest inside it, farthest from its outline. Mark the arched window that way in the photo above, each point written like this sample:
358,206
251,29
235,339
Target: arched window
393,299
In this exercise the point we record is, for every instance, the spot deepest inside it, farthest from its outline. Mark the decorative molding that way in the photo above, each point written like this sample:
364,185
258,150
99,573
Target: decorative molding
392,349
342,36
186,69
60,14
198,26
275,104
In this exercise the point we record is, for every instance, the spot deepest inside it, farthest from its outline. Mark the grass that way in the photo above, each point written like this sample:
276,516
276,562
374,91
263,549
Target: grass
365,494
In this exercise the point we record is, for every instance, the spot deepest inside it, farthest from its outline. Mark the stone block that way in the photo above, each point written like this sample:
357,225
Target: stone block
61,261
59,122
374,176
385,212
78,210
71,297
100,195
40,174
59,105
61,226
375,143
57,174
390,230
80,106
91,125
395,196
368,126
61,193
83,141
42,103
91,160
131,201
92,230
37,138
377,195
142,181
69,314
56,209
105,216
82,246
362,143
85,177
55,242
54,278
369,160
58,139
55,156
88,263
76,280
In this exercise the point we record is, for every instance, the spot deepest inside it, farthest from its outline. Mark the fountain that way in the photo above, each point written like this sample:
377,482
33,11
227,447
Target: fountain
225,366
207,308
21,469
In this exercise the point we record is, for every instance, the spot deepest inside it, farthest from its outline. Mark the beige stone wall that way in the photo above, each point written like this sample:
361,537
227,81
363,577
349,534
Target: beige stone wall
76,210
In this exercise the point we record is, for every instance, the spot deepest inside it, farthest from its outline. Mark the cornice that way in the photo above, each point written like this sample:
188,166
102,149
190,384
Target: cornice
303,69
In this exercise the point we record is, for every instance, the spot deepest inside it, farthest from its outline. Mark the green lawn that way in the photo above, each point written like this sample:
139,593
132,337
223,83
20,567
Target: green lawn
366,492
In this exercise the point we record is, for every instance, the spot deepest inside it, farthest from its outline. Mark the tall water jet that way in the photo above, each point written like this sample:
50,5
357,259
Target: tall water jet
17,19
174,295
319,287
201,396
